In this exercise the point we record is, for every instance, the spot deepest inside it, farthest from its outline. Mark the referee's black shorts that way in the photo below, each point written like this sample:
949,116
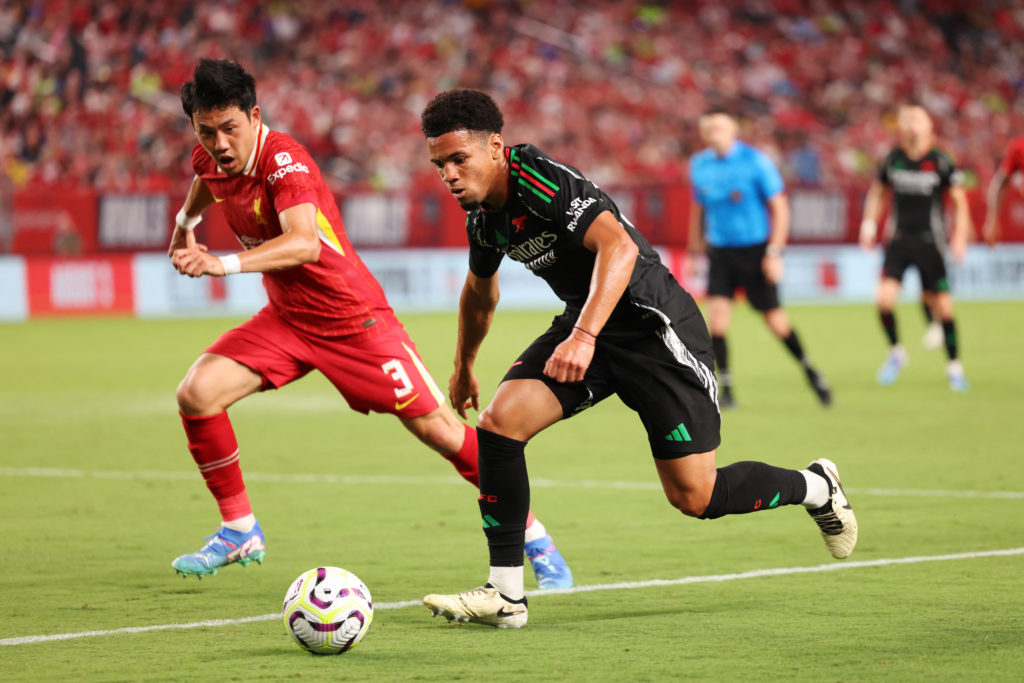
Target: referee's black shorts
664,375
730,268
925,255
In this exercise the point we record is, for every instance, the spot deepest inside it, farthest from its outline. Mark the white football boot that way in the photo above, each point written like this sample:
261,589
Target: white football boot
835,519
483,605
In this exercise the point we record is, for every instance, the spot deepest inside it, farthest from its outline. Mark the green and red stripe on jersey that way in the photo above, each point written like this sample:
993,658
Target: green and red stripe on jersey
528,176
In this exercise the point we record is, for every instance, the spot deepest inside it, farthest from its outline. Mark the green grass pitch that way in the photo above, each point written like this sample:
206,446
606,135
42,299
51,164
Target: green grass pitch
99,494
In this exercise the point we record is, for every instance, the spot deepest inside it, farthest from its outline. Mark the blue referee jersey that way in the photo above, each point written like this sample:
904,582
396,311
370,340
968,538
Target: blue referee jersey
732,191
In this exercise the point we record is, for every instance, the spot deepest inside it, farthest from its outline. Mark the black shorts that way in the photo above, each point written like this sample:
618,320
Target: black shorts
663,375
732,267
925,256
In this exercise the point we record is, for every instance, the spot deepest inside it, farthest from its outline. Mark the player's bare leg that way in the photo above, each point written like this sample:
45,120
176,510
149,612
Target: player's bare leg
213,384
696,488
719,319
888,293
520,409
954,368
442,431
778,323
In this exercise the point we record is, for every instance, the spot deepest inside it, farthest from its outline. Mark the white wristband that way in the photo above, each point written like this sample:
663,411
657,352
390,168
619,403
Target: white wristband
186,222
868,229
232,264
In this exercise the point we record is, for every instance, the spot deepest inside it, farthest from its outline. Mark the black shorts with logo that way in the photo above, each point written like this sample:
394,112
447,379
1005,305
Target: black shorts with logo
923,254
732,267
664,375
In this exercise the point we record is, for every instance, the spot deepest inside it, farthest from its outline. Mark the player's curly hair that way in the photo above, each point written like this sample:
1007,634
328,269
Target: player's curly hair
461,109
218,83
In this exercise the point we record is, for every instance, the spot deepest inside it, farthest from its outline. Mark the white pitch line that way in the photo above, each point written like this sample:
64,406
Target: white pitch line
388,480
626,585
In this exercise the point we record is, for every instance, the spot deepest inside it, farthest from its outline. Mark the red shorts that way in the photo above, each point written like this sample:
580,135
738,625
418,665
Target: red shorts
383,374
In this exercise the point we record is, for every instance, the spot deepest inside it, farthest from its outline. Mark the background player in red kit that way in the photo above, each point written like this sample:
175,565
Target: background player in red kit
1012,163
325,312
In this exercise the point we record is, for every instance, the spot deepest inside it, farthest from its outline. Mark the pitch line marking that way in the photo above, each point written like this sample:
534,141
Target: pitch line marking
363,479
625,585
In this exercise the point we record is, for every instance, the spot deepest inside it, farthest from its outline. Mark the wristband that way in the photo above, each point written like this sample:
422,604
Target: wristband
773,250
868,228
585,341
232,264
577,327
186,222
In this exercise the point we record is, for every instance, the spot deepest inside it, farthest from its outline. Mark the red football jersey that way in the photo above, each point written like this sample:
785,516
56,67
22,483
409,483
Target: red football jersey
335,297
1014,159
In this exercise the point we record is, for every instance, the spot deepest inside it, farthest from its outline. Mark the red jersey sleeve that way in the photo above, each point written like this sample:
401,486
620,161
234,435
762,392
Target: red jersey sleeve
292,177
1014,159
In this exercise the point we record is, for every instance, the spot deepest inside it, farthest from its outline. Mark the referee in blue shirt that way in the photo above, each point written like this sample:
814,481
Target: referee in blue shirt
735,188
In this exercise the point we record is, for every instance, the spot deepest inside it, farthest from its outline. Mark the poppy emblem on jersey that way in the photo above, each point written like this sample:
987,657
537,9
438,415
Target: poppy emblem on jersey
283,158
928,165
520,223
736,196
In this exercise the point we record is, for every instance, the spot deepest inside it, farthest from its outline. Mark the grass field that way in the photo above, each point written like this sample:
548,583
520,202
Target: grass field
99,494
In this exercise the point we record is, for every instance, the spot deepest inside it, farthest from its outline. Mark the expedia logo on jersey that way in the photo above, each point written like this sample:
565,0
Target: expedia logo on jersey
285,170
576,209
527,252
914,182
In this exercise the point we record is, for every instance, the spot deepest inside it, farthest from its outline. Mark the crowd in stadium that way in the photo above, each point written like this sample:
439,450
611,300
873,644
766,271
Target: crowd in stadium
89,89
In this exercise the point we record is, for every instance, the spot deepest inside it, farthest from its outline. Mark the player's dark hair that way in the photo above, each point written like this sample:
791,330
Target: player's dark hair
216,84
718,109
461,109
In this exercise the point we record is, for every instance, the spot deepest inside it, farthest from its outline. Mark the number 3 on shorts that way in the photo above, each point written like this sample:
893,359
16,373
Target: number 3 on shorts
394,369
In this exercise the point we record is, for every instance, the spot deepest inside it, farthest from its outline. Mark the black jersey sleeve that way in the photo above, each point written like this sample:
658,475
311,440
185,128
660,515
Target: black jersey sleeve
483,258
949,174
883,168
558,192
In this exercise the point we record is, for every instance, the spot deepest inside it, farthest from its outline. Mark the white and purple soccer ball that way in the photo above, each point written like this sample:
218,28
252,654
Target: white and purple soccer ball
327,610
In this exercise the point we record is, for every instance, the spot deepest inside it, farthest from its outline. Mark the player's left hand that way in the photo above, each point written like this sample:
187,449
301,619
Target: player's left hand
773,268
570,360
195,261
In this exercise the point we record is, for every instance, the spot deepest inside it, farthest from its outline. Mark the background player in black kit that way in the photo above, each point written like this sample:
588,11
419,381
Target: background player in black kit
628,329
918,175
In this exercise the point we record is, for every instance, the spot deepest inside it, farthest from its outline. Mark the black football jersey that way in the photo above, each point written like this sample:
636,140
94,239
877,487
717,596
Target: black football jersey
918,187
550,206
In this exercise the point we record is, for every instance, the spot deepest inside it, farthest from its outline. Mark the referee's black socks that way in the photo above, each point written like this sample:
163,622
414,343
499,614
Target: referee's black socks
749,486
792,343
504,496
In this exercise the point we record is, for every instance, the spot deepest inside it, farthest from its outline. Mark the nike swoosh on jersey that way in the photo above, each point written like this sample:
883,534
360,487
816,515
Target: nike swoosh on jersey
402,406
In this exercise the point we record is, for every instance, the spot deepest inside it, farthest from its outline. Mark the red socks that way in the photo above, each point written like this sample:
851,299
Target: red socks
465,464
465,460
211,440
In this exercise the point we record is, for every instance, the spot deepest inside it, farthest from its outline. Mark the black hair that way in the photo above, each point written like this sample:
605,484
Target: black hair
216,84
461,109
718,109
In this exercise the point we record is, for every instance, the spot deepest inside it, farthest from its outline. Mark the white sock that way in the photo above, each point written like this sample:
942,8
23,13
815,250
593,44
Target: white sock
242,524
817,490
508,581
535,531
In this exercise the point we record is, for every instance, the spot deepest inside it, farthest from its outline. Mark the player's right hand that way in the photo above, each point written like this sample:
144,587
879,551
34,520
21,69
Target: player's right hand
464,392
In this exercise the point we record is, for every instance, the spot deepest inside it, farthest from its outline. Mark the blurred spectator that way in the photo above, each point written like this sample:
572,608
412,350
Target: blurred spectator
88,89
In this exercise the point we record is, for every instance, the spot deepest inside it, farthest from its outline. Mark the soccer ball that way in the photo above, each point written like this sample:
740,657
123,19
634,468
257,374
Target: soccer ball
327,610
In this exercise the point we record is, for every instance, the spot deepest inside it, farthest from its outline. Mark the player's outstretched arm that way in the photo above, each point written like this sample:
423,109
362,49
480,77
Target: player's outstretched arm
778,207
616,258
961,223
476,311
872,210
993,204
